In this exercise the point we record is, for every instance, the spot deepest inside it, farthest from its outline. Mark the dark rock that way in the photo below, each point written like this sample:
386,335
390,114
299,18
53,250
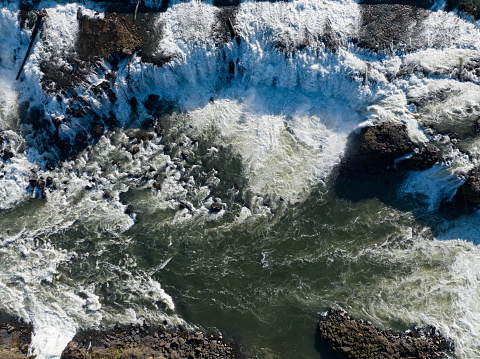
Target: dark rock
111,75
133,103
376,148
216,207
386,27
352,338
468,6
100,38
470,190
15,338
136,342
41,183
97,130
151,103
421,160
32,181
81,140
7,154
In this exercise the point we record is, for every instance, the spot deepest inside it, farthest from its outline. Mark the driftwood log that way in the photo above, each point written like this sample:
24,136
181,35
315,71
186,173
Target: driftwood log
38,24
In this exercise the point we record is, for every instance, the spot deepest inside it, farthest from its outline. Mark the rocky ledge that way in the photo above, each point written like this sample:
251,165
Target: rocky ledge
134,341
352,338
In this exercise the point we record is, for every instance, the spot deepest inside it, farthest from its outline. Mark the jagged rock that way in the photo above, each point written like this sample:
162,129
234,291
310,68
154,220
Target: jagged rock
41,183
216,207
32,181
351,338
7,154
376,162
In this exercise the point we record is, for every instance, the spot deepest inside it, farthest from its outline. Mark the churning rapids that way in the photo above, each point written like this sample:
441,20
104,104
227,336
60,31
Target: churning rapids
125,230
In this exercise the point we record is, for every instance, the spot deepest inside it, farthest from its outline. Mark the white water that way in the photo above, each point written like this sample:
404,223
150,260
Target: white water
289,137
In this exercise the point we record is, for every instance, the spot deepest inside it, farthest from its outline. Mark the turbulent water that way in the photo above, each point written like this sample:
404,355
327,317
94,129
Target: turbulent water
129,234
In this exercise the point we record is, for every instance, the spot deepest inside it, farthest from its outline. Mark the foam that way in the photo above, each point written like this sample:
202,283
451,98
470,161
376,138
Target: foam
432,185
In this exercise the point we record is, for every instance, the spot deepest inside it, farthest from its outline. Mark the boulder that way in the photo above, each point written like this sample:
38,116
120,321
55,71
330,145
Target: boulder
97,130
376,148
81,140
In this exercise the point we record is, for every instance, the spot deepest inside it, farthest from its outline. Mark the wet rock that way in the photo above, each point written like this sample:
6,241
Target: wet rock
140,342
352,338
32,181
420,160
391,27
41,183
470,190
100,38
49,181
133,103
15,338
111,75
97,130
216,207
375,148
471,7
7,154
151,103
376,162
81,140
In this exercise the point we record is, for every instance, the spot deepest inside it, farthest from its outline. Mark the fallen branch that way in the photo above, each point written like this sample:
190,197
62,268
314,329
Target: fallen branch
136,9
40,15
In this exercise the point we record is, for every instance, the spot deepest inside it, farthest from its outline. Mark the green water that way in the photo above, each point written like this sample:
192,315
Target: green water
263,282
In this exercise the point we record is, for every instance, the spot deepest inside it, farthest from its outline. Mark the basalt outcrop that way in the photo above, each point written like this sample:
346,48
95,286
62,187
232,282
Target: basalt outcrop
351,338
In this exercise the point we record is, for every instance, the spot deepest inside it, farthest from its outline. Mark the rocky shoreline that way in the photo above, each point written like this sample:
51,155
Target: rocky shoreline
121,342
351,338
135,341
341,336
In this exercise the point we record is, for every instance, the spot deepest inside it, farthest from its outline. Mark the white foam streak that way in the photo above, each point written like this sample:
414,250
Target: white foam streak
432,185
